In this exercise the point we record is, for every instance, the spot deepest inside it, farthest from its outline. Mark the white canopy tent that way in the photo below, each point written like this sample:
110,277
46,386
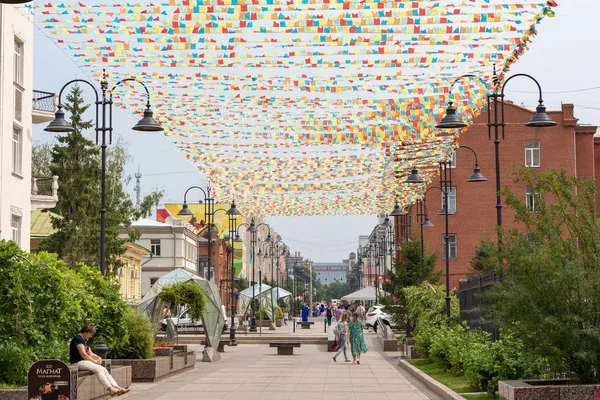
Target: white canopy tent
365,294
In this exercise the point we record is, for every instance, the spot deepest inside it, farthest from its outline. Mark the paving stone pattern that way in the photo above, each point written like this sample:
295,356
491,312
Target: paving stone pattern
254,371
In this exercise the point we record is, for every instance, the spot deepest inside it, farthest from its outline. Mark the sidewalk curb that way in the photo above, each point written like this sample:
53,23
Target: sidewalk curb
441,390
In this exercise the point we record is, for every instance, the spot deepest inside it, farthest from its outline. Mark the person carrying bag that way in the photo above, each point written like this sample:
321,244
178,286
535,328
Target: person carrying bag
343,334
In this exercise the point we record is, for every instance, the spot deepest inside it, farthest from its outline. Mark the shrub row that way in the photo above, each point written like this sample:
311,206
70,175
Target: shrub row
464,351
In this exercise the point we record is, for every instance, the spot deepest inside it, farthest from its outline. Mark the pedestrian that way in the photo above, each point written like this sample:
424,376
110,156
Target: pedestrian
338,312
286,317
322,309
362,315
357,339
329,314
341,331
166,314
84,358
304,312
348,312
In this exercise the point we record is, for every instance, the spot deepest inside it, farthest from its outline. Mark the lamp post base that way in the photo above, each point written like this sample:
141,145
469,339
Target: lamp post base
253,324
232,339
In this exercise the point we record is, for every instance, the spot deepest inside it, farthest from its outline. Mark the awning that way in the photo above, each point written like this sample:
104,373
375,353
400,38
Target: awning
366,293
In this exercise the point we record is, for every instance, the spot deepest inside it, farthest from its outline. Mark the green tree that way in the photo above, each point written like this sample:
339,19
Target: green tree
335,290
552,279
76,160
485,257
355,277
407,271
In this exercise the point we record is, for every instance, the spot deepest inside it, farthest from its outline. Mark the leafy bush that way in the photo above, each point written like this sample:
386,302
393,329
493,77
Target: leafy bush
426,306
262,315
139,339
43,303
187,294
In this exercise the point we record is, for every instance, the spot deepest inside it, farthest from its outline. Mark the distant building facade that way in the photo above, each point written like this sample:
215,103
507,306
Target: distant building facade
327,273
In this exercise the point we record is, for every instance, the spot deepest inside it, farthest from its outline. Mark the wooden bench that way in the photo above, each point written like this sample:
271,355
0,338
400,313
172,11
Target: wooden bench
306,325
285,348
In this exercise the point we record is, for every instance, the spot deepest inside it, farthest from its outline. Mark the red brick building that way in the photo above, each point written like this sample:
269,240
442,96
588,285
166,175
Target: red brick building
567,146
220,250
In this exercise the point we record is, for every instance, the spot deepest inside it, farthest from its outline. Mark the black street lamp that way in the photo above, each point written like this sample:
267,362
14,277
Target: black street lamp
209,205
539,120
233,213
253,229
103,103
445,186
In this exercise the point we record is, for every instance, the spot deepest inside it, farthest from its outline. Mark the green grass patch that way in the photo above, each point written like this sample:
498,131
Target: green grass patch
457,383
476,397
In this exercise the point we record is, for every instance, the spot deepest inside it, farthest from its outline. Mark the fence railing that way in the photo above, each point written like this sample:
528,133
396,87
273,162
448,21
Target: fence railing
43,101
469,295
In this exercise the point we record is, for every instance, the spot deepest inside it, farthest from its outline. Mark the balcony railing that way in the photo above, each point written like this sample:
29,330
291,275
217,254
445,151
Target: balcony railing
43,101
44,192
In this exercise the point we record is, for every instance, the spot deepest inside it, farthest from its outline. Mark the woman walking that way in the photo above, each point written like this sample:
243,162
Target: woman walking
342,332
357,339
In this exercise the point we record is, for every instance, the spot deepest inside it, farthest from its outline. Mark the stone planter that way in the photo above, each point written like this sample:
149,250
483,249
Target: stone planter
562,389
168,361
279,323
409,349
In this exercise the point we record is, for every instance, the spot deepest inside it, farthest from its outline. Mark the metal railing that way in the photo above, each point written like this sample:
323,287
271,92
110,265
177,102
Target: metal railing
471,302
44,101
46,186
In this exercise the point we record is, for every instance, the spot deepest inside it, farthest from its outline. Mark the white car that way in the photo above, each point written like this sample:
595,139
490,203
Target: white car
373,313
183,321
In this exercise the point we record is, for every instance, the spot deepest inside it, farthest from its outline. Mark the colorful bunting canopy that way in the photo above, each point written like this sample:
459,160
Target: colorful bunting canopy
302,107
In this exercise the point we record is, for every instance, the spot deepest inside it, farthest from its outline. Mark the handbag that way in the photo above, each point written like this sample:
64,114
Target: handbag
335,345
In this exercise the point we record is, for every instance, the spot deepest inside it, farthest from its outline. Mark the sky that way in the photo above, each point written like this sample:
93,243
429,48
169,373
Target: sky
564,58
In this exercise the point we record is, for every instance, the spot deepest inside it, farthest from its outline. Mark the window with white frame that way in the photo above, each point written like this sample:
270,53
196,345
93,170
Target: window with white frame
17,150
15,229
532,153
530,199
452,243
451,200
18,62
155,247
453,160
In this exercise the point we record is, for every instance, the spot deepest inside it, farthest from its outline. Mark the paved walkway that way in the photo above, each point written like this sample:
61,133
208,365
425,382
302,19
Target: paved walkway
252,372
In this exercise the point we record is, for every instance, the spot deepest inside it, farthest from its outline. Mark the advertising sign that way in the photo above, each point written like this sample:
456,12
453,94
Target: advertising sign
49,380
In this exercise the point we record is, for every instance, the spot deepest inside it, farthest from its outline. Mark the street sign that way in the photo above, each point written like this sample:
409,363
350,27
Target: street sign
49,380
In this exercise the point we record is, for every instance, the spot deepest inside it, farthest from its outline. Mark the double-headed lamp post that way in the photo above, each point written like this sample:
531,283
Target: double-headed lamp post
445,186
104,103
209,205
253,229
232,214
272,251
539,120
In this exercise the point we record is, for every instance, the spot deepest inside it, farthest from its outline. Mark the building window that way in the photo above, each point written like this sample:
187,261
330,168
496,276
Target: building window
530,199
17,145
453,160
451,201
155,247
532,153
452,242
15,228
18,62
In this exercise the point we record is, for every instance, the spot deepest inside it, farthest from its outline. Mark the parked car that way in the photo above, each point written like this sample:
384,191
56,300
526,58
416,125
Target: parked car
373,313
183,321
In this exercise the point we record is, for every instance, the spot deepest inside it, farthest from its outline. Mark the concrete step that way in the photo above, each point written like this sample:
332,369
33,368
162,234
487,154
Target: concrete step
266,339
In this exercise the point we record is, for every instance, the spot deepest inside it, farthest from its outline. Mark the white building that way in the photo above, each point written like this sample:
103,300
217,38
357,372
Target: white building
20,107
171,246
